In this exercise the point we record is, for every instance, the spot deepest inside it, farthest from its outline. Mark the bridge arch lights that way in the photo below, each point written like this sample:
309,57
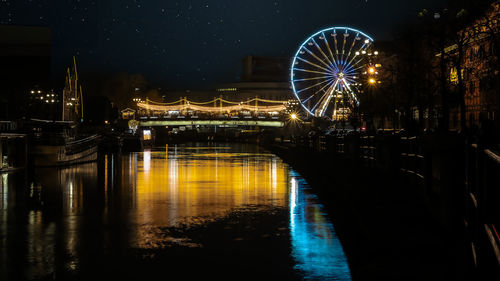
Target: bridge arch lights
326,68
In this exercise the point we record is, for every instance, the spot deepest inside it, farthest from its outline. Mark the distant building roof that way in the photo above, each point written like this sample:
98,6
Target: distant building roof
128,110
266,69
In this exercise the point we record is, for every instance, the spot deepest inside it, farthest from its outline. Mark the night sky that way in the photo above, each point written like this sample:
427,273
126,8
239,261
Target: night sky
189,44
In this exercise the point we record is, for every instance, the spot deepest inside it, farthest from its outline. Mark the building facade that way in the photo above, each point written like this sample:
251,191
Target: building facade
262,77
480,67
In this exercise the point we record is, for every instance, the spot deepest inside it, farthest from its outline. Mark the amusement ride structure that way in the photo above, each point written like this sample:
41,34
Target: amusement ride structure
326,70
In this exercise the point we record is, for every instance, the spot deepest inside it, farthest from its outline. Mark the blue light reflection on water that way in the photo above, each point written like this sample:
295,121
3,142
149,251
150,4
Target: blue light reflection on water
315,246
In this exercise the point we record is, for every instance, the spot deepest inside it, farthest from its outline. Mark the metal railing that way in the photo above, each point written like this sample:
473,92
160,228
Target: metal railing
412,160
482,216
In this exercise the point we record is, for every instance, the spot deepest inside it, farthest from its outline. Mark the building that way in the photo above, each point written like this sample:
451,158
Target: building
266,69
25,55
263,77
479,68
128,113
43,104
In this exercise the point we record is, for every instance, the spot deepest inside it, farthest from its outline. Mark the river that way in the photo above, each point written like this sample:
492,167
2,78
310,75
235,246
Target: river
185,212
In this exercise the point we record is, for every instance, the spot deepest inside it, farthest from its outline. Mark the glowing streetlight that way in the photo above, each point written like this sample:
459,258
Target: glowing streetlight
372,81
293,116
371,70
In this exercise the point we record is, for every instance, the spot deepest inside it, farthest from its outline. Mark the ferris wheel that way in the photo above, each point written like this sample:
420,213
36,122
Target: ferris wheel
325,72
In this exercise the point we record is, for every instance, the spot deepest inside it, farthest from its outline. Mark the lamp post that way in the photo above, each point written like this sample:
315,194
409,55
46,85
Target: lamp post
371,76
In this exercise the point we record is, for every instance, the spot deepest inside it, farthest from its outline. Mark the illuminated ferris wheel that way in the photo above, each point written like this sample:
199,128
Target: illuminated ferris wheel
325,72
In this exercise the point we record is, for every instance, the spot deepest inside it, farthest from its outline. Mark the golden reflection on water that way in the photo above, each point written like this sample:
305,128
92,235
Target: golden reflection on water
60,220
188,186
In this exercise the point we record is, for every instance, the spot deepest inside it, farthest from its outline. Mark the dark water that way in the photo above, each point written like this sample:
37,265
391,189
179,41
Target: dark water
231,212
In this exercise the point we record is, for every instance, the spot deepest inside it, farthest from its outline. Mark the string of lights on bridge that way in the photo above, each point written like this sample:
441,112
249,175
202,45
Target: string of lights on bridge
217,105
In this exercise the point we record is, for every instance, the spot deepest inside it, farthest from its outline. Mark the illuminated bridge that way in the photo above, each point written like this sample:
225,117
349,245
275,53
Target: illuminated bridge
217,112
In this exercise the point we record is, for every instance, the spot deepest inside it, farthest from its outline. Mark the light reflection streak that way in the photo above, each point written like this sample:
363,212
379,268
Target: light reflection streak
4,204
106,180
147,160
315,247
274,172
112,171
183,187
4,189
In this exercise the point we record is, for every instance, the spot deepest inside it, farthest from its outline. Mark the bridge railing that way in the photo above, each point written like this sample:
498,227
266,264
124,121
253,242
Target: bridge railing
205,116
483,207
217,106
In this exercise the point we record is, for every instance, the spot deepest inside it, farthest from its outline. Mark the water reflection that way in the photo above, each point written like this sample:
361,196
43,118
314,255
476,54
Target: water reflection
315,246
40,220
187,185
65,223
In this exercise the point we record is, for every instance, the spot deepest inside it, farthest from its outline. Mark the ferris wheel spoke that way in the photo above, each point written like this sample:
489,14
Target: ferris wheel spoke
321,51
327,98
349,90
311,71
343,45
358,67
352,45
316,57
363,47
348,68
322,97
313,64
336,45
349,71
310,79
310,87
329,49
353,97
350,80
322,88
356,63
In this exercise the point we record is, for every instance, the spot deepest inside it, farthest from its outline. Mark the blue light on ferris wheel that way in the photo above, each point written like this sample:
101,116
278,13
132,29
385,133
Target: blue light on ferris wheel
324,65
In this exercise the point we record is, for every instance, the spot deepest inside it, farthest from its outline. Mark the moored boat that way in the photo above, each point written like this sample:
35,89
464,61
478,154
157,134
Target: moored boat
57,143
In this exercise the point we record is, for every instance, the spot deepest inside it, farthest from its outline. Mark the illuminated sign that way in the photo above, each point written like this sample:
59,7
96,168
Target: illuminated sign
147,134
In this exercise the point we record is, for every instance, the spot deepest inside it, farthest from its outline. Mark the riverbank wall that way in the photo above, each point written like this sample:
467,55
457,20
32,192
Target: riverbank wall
402,205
